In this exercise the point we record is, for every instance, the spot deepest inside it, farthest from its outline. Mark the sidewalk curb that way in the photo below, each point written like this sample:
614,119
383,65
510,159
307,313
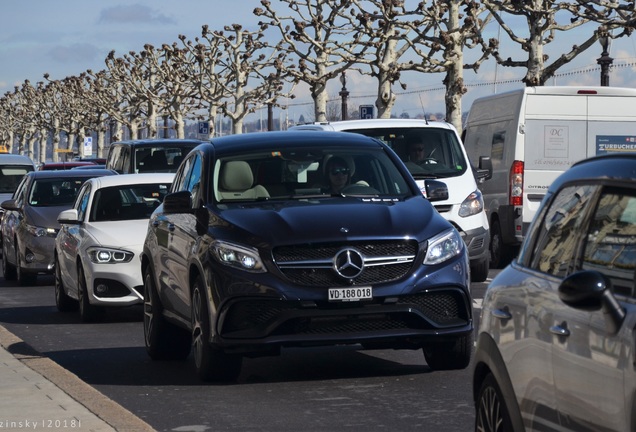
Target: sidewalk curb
103,407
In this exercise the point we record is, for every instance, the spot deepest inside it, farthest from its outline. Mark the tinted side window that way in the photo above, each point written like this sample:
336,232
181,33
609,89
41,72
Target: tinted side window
610,245
82,201
558,236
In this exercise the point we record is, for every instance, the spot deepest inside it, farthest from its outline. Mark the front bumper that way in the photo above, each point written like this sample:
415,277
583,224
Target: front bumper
118,284
427,305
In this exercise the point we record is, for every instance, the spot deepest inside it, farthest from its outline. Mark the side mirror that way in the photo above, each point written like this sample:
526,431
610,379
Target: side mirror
178,202
9,205
69,216
591,291
484,172
436,190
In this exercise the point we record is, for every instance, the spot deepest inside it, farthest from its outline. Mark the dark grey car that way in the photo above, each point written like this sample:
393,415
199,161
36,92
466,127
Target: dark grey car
29,225
556,348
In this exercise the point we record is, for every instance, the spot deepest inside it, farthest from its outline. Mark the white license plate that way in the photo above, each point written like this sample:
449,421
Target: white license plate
350,294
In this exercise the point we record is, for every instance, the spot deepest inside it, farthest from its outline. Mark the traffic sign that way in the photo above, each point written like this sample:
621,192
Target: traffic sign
204,128
366,111
87,150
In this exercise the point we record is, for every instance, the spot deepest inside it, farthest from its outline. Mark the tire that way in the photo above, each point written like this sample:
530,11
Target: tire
501,254
8,269
88,312
492,414
164,340
450,355
24,278
63,302
211,364
479,270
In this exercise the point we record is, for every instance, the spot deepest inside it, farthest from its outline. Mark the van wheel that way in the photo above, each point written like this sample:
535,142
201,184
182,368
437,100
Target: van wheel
479,270
501,254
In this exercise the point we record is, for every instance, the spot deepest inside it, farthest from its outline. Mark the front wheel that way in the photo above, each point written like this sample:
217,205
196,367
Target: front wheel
8,269
88,312
24,277
164,340
212,364
63,302
492,413
449,355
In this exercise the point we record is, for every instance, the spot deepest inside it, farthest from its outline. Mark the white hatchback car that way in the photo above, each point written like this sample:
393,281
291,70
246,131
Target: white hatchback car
98,246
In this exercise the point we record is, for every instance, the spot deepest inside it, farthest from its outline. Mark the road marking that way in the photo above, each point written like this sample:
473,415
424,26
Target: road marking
477,303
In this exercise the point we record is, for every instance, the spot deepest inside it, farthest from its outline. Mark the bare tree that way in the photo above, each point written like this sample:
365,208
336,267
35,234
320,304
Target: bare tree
251,73
203,70
545,20
323,36
138,86
453,26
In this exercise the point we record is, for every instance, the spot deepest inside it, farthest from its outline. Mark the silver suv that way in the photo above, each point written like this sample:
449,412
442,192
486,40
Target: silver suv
556,342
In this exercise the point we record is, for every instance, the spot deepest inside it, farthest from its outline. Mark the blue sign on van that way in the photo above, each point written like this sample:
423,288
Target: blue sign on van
615,143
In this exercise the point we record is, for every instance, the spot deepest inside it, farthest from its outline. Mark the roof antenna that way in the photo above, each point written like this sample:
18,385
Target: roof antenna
423,112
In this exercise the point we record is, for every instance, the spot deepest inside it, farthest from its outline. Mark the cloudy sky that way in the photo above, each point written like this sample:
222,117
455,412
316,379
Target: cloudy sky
66,37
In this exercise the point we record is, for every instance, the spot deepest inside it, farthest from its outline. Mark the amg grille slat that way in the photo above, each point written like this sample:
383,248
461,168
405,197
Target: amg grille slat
312,264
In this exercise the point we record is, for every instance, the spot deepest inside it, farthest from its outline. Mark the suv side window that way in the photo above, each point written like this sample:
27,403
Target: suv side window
558,236
610,245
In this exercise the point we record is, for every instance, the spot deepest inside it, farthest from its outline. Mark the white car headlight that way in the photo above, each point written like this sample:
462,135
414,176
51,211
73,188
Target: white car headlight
101,255
36,231
443,247
237,256
472,205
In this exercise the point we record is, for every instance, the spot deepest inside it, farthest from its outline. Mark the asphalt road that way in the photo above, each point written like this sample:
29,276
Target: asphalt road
317,389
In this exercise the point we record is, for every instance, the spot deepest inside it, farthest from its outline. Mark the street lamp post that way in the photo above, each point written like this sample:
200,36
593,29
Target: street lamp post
604,60
344,94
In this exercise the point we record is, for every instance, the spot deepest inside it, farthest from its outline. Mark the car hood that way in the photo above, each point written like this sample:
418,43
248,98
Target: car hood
335,219
45,217
127,234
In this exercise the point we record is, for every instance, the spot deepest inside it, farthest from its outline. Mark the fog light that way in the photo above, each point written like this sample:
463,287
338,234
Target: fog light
101,289
29,257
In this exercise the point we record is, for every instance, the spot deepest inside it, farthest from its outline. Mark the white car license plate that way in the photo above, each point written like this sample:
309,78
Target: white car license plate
350,294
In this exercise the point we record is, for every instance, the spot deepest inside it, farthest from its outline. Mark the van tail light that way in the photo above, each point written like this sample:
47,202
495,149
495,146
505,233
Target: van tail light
516,183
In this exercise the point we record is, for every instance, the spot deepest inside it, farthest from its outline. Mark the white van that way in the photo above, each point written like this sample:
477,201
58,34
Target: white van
527,137
442,157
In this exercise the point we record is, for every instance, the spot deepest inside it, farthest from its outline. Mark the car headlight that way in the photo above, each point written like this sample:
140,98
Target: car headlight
36,231
109,256
237,256
443,247
472,205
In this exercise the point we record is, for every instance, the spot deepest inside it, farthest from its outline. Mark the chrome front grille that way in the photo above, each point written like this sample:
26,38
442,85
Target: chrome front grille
314,264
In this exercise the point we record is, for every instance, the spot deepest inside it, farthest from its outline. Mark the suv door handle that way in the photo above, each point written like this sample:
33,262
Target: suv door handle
502,314
560,329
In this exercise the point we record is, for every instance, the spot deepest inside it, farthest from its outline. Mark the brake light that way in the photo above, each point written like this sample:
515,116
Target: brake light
516,183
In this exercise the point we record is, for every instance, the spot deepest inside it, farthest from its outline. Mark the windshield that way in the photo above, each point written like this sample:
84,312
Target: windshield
159,159
427,152
127,202
10,176
308,172
55,192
